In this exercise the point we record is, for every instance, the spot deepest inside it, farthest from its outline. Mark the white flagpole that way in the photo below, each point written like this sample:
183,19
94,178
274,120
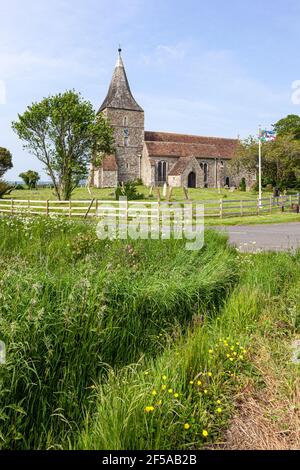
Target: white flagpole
259,169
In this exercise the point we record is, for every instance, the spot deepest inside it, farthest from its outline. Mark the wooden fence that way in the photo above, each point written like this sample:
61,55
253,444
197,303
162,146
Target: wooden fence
222,208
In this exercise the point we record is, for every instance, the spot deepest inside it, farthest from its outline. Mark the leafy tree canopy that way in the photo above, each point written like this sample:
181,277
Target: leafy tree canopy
280,160
5,160
289,125
66,135
30,178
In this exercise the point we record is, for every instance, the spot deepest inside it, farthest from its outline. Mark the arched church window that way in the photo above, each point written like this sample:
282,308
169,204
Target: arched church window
126,137
205,169
162,172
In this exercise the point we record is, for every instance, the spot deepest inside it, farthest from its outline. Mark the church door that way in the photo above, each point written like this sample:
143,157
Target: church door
192,180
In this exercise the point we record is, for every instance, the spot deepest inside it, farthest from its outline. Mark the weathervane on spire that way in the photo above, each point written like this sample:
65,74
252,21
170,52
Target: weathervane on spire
120,49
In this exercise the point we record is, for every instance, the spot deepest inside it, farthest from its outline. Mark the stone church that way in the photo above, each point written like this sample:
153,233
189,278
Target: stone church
157,158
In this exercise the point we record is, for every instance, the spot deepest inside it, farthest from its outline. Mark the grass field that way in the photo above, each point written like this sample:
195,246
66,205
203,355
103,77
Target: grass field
138,345
108,194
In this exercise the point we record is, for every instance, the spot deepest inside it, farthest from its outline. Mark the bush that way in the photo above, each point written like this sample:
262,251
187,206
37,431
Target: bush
128,190
243,184
5,188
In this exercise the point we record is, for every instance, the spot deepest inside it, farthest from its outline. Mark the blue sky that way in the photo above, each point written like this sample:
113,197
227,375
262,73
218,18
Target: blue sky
209,68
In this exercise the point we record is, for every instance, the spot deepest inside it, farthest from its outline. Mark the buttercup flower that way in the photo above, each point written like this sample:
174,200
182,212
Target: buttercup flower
149,409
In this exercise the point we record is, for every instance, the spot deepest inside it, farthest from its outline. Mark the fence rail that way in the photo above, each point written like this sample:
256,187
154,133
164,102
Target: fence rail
222,208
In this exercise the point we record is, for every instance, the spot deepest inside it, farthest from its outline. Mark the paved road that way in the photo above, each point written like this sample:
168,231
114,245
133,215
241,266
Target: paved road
275,237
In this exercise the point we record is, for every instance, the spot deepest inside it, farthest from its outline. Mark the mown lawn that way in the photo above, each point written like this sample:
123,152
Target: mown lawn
134,344
108,194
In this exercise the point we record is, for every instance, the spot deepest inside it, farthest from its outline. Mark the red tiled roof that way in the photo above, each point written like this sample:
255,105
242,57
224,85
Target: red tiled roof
179,167
225,147
109,163
181,149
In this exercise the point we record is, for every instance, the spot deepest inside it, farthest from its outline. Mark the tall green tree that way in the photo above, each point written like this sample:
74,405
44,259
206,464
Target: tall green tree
66,135
5,160
30,178
284,155
280,160
5,164
289,125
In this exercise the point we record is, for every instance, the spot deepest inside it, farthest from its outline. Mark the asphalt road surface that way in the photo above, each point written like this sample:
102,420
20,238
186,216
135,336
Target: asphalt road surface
266,237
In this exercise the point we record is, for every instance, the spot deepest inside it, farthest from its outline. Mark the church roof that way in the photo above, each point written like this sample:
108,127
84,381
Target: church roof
181,149
181,145
179,166
119,94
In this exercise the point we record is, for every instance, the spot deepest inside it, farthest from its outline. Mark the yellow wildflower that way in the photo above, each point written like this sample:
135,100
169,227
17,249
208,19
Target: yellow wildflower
191,382
199,382
187,426
211,351
209,374
170,390
154,393
164,377
219,410
219,402
204,433
149,409
176,395
164,387
206,392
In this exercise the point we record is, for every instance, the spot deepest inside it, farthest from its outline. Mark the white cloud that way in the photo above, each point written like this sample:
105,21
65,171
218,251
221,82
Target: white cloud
163,54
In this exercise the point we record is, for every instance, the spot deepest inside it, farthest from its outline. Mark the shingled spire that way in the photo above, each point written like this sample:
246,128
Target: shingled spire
119,95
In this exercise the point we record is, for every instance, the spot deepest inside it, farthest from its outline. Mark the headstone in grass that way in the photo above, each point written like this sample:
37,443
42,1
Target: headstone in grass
296,352
150,192
165,188
2,353
186,193
170,192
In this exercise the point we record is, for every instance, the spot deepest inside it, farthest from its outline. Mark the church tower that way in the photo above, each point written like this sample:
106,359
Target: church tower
127,120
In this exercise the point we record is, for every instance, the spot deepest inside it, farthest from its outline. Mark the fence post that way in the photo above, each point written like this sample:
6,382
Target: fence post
70,209
298,196
221,208
47,208
158,213
271,204
242,209
258,204
12,206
